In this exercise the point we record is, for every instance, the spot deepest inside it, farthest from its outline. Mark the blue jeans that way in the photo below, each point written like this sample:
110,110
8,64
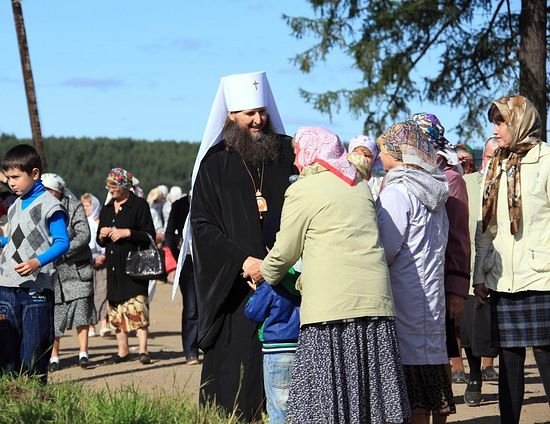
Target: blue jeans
190,313
26,330
277,372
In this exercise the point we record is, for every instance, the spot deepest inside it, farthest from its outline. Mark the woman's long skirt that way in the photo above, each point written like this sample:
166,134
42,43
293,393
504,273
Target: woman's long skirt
348,372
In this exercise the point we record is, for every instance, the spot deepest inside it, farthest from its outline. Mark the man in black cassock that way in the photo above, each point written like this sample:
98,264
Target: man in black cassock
235,213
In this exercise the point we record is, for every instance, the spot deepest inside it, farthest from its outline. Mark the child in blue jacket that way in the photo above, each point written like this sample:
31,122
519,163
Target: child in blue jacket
278,308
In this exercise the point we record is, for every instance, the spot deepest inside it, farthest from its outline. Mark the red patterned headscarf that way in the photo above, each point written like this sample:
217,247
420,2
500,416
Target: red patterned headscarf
120,177
319,145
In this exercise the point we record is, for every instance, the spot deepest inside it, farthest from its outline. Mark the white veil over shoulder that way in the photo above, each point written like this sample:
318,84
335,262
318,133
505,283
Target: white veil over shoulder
235,93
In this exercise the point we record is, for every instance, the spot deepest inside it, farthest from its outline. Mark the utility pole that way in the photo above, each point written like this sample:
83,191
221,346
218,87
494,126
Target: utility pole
28,79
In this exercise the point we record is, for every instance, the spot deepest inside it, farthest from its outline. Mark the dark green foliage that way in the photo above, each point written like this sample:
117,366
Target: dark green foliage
84,162
468,50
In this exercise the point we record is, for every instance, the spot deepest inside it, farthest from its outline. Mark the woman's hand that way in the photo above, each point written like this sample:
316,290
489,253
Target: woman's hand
251,269
455,305
119,233
104,232
99,261
482,293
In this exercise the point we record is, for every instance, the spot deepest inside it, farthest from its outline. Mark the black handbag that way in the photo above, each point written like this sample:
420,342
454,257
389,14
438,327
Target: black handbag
146,264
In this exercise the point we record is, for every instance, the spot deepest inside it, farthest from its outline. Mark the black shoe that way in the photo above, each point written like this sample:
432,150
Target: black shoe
459,377
144,358
116,359
84,362
489,374
53,367
472,395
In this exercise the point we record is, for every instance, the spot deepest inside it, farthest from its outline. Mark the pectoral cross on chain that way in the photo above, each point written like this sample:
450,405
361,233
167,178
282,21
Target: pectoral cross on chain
255,84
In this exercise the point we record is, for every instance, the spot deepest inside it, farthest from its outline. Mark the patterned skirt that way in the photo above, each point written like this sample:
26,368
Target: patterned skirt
429,388
76,313
130,315
348,372
520,319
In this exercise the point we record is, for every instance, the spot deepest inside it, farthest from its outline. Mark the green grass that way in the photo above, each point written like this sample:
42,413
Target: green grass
25,400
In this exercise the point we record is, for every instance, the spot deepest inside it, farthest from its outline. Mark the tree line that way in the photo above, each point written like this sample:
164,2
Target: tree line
85,162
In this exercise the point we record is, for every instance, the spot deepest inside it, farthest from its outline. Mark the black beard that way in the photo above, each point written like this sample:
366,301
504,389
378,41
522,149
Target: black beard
254,150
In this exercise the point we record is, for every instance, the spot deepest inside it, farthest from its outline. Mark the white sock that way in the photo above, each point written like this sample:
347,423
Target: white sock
54,359
82,355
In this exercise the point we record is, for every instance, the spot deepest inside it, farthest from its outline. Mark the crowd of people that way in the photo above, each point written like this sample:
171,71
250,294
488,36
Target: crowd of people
328,284
86,283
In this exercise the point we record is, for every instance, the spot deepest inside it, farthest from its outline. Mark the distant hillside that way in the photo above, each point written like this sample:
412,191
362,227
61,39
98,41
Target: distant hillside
85,162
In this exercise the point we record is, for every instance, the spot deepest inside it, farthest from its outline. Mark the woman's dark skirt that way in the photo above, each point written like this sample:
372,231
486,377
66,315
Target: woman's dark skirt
348,372
429,388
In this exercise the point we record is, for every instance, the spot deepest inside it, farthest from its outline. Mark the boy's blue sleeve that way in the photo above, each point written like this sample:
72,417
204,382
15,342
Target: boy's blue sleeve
60,244
259,305
3,241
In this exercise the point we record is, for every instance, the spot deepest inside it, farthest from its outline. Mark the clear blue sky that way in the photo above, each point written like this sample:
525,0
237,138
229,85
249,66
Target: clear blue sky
150,69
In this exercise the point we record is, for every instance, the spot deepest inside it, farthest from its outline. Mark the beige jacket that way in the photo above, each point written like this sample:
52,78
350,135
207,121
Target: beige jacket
521,262
333,227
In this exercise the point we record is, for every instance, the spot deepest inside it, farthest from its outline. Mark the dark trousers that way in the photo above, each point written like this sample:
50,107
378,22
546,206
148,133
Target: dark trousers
511,380
190,313
26,330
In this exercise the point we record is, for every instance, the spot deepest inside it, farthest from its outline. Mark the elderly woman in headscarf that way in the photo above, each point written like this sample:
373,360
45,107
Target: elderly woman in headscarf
74,292
514,271
413,228
466,158
364,154
125,225
347,367
457,255
92,206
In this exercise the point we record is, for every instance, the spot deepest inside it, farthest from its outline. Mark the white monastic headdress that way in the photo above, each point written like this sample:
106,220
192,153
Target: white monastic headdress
235,93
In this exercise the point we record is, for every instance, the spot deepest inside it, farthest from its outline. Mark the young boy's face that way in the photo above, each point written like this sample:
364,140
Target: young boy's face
19,181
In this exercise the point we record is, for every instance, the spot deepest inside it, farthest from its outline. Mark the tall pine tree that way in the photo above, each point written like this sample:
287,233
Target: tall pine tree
485,49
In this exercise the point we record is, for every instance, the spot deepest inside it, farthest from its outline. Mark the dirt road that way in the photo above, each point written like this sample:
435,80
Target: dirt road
169,372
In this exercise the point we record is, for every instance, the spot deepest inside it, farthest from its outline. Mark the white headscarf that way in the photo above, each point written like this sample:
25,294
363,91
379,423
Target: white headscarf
235,93
96,207
56,183
174,194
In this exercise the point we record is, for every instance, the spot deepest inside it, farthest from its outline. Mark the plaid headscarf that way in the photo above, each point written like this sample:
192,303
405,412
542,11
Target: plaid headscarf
524,122
318,145
120,177
407,143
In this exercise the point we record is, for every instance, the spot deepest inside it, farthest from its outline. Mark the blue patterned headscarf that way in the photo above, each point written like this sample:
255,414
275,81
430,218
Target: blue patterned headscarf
431,126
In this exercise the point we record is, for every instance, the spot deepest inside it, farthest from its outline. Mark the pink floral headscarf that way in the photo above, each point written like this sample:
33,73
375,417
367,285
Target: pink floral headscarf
319,145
